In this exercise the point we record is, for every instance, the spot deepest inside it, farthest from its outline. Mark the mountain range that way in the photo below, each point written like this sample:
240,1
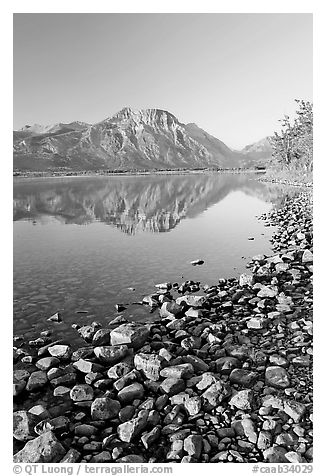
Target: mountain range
144,139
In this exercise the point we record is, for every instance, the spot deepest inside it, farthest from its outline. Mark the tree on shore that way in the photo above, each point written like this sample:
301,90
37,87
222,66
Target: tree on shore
293,146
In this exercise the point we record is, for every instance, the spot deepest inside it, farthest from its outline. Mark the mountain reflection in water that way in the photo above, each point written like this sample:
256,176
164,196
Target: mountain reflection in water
130,203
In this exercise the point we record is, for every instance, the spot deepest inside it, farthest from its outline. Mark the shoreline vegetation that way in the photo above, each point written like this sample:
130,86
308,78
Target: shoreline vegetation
103,172
223,375
269,176
293,147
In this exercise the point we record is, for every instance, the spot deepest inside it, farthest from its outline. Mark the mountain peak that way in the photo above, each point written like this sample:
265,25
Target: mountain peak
145,115
130,139
124,113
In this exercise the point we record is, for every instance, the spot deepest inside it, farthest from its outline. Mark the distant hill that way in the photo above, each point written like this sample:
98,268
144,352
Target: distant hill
129,140
258,153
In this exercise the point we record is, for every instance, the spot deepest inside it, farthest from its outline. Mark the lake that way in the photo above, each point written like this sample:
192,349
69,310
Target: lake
81,242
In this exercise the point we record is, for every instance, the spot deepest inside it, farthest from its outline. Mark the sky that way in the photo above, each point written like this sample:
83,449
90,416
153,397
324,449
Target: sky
234,75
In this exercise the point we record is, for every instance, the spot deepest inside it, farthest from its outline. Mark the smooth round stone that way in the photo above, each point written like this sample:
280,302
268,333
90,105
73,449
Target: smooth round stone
47,362
126,413
131,392
172,386
82,392
278,360
60,351
40,411
21,375
85,430
61,391
36,381
277,377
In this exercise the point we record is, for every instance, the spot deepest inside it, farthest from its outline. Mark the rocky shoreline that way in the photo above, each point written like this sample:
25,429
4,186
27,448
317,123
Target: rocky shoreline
224,375
292,183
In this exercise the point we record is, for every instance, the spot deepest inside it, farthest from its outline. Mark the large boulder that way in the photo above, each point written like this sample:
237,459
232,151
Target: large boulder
132,334
43,449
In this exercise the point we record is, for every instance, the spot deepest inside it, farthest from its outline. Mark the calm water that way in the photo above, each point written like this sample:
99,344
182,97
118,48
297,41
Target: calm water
81,242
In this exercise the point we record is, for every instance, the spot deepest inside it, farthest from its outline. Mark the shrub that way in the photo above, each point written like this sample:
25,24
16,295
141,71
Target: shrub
293,146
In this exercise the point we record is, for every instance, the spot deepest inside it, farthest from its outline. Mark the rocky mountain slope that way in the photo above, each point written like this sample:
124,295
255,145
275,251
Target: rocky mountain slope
131,139
258,153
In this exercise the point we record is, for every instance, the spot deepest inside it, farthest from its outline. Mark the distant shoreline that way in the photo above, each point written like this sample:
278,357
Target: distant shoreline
89,173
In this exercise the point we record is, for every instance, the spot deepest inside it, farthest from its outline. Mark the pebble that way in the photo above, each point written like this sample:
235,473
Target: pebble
172,386
43,449
132,334
47,362
150,365
178,371
193,445
60,351
81,392
55,317
104,408
131,393
23,425
111,354
242,400
277,377
36,381
243,377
